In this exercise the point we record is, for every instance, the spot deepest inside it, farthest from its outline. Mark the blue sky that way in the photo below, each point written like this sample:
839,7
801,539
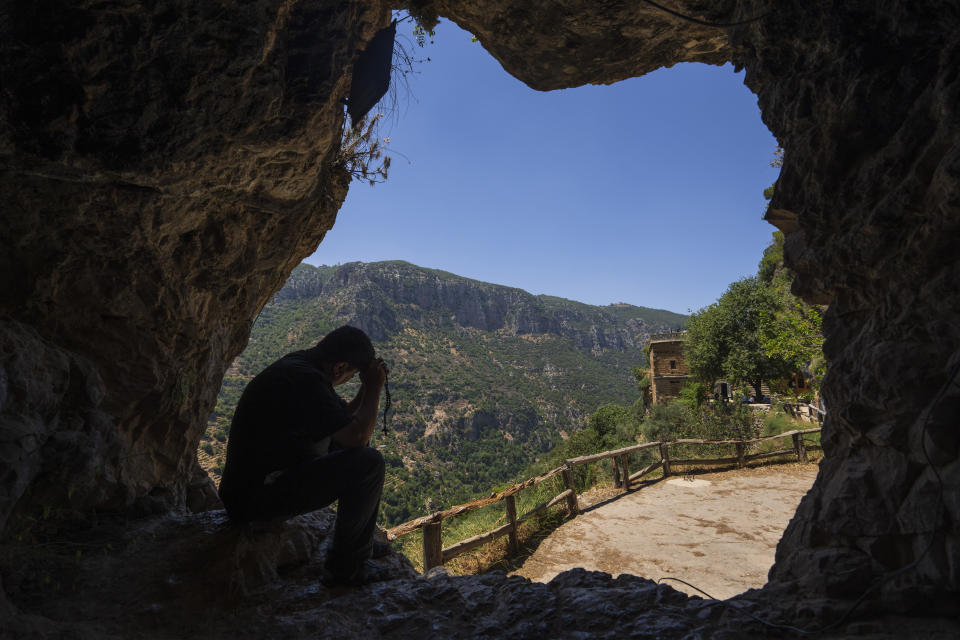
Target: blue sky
649,191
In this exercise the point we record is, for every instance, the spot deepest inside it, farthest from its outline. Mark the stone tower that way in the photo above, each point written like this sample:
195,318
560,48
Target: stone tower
668,371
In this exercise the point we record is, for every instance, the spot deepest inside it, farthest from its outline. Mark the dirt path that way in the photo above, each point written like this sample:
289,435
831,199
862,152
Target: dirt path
718,532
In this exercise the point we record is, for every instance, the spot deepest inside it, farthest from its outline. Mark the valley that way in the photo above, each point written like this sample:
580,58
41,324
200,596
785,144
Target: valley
484,378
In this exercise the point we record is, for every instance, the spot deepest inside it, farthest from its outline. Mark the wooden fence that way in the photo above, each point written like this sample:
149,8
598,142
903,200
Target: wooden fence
434,554
805,411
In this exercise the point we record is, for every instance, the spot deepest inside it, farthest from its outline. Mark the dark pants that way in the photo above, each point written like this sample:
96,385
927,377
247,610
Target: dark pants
354,477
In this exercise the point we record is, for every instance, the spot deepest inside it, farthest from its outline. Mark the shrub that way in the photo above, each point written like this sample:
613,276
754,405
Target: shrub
729,421
615,425
693,394
776,422
668,421
675,420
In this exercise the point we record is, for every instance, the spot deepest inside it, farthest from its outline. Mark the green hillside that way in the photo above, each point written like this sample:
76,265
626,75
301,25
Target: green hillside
484,378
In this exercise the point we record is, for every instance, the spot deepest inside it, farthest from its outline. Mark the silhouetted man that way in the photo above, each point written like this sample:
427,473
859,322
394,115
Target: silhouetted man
296,446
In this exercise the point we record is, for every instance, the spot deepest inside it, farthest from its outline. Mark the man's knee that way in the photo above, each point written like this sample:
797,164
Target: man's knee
367,462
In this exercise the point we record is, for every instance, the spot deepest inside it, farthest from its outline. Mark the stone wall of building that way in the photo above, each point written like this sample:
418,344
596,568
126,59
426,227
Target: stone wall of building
666,359
668,369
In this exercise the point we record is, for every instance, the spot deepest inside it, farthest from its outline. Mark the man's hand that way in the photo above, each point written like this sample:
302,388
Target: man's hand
375,375
357,433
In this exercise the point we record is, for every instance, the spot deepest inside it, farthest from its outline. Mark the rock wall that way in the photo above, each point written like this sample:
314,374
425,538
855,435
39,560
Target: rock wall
864,98
51,423
165,165
868,111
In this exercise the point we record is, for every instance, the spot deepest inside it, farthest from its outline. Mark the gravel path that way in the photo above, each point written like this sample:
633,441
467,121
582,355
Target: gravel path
718,532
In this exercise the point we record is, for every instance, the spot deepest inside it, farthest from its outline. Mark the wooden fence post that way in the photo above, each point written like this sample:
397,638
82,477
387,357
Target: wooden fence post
432,546
626,472
800,447
616,473
572,505
511,507
741,450
666,459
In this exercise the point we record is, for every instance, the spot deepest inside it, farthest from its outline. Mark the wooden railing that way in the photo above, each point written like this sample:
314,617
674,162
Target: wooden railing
434,554
804,410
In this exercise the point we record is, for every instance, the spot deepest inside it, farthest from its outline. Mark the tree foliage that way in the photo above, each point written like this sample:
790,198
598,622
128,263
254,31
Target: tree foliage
758,330
725,339
794,332
617,425
677,419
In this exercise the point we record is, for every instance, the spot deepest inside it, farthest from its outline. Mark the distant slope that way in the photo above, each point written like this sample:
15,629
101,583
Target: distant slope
483,377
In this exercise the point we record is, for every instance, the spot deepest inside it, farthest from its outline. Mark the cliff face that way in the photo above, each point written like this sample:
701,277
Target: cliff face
165,166
868,115
374,297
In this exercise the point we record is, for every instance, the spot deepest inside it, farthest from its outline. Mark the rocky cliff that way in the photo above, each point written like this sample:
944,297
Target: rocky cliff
164,166
378,296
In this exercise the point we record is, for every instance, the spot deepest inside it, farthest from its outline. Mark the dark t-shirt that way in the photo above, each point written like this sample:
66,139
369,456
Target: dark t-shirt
285,417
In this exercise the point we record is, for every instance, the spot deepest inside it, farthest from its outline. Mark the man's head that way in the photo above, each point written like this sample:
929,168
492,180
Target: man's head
345,351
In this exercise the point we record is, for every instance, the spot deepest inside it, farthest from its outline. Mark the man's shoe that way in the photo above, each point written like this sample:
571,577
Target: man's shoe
366,573
381,549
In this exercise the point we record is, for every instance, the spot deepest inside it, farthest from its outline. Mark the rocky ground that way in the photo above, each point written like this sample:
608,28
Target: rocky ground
197,576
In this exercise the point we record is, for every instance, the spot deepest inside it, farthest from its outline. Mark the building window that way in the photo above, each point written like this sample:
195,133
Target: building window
673,364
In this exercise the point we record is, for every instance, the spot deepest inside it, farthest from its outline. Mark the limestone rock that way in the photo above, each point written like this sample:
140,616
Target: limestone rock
54,437
553,46
163,169
367,295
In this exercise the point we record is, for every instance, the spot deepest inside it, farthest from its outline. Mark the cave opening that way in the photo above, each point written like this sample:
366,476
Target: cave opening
492,177
157,193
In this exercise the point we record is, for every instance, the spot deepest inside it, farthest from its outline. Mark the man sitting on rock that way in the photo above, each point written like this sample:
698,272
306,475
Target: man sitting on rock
296,446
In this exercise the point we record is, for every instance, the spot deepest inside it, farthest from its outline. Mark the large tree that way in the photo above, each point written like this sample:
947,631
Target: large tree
726,339
794,333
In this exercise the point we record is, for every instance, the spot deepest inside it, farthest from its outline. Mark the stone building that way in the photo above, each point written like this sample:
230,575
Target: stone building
668,371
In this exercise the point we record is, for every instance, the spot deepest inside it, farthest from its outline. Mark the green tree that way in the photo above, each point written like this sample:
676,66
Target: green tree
772,261
793,333
693,395
725,339
668,421
615,425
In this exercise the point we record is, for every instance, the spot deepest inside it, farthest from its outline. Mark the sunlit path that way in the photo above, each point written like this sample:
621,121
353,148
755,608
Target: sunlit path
720,536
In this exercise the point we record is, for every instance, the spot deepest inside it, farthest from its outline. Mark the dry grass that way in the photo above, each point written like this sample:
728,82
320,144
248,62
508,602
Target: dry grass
496,554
